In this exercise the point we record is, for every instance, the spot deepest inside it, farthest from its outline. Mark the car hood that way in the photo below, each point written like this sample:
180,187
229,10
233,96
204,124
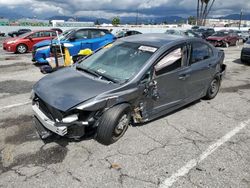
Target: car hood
68,87
11,39
216,38
43,43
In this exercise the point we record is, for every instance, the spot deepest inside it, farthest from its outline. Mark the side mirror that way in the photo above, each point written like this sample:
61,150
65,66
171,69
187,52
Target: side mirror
72,38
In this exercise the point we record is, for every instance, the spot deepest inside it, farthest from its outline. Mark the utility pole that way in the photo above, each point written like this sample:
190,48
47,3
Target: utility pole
241,12
137,14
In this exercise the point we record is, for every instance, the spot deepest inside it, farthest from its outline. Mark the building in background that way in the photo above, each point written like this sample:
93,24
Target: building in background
226,23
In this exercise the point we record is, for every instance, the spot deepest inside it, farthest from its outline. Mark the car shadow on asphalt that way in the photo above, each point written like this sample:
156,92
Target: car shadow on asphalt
238,61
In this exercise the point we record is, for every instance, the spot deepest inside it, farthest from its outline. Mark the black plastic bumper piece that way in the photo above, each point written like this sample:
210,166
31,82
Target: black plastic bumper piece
42,131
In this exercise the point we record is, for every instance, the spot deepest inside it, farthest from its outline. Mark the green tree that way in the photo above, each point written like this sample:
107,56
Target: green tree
191,20
116,21
97,22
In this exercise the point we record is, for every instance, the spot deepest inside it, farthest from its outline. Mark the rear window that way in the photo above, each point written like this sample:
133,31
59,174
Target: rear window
200,52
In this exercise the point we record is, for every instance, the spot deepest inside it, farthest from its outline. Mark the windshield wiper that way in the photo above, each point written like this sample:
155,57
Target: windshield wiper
97,74
106,77
88,71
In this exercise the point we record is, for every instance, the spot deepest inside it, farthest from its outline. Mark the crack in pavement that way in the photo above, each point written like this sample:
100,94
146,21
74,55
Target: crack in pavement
148,136
223,113
74,177
174,127
123,175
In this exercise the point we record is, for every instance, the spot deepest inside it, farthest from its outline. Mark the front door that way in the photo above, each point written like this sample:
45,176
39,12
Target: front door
81,41
170,79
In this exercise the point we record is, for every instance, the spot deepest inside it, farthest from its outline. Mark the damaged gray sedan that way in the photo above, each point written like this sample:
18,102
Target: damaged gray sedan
137,79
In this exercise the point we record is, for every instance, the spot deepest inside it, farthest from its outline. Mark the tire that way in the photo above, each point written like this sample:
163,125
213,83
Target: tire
213,88
226,44
108,131
21,49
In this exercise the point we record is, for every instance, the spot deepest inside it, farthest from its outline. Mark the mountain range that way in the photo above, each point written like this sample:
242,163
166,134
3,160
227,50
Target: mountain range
126,20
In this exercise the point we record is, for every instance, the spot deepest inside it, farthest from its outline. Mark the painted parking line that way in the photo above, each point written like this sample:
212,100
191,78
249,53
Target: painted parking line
168,182
15,105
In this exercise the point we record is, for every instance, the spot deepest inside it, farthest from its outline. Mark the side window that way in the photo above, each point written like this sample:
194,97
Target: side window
47,33
200,52
53,34
36,35
81,34
172,61
97,34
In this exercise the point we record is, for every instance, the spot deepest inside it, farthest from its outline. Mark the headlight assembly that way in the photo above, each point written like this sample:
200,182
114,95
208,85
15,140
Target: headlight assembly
11,42
70,119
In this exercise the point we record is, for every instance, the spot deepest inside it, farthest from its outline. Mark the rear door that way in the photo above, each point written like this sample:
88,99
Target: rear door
171,78
48,35
81,41
202,65
97,39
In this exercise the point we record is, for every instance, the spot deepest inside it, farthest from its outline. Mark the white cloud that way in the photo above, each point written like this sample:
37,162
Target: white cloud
111,8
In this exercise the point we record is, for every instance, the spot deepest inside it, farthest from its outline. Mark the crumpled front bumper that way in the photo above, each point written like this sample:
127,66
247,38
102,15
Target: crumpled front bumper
47,125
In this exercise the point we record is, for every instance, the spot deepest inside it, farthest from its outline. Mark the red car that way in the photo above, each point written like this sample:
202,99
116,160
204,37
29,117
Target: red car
25,42
224,39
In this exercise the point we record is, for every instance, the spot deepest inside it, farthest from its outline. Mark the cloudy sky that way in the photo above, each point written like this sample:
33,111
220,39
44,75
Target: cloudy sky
111,8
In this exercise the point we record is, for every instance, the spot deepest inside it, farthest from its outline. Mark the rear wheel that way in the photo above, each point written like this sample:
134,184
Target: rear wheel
21,49
213,88
113,124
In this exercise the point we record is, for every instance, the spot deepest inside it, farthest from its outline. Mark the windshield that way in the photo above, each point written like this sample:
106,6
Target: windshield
190,33
220,34
120,62
24,35
65,34
120,34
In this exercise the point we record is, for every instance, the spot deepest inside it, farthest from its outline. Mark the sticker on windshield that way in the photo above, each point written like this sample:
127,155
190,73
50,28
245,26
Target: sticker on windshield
101,71
147,49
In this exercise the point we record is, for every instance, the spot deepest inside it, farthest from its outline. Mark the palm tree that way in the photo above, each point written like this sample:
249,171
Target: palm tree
203,9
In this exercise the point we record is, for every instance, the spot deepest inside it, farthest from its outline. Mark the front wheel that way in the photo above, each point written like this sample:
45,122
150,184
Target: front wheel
113,124
213,88
226,44
237,43
21,49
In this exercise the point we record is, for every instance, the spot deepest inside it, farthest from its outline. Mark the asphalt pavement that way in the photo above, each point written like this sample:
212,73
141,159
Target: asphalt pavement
205,144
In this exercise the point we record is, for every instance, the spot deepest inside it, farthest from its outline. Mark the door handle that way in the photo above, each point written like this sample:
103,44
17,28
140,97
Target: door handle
184,76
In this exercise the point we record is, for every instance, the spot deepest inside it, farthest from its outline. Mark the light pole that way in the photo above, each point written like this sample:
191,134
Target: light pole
241,12
137,14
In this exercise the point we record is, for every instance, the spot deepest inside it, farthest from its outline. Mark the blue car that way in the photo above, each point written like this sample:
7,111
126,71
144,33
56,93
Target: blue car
78,39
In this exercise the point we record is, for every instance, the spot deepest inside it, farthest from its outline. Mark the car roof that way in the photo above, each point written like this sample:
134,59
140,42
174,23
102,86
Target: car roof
42,30
154,39
98,29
